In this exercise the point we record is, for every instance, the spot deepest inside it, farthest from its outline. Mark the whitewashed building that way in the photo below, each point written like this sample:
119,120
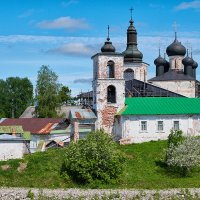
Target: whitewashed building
12,147
146,119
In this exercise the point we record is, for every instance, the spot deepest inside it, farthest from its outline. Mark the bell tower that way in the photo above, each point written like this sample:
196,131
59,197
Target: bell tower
108,85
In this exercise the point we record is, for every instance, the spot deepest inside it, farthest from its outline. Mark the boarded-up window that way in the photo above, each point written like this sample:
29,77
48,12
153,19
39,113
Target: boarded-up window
128,74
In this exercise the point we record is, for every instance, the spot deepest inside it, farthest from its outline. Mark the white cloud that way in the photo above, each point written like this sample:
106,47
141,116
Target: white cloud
83,80
29,13
78,49
68,3
63,23
188,5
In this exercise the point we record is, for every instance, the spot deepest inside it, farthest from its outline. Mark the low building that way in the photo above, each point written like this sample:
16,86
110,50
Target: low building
150,118
12,147
41,129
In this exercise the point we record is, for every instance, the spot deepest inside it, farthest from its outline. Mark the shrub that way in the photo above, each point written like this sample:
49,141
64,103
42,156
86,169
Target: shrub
175,137
184,156
95,158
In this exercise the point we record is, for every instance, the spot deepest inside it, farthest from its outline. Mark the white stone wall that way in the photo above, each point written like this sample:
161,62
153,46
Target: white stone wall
176,62
12,149
140,70
131,126
185,88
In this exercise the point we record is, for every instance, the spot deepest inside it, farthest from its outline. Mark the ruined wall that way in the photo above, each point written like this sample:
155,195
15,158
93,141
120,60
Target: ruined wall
185,88
105,110
131,126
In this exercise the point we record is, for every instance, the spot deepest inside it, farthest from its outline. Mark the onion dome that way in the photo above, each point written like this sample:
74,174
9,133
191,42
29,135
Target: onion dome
132,54
108,47
176,48
187,61
160,60
194,65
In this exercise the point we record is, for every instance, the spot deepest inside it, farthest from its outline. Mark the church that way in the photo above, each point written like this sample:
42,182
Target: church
136,109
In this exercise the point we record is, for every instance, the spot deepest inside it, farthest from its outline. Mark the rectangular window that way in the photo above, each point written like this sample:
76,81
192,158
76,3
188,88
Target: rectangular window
160,126
143,125
176,125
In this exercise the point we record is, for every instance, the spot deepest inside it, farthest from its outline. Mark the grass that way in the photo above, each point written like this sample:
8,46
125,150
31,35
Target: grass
143,170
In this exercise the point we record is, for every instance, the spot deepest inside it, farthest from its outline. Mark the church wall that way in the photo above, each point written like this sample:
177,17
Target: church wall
140,70
131,126
176,62
106,111
185,88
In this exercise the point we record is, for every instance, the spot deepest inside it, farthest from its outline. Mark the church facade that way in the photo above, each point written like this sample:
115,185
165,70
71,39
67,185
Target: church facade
120,78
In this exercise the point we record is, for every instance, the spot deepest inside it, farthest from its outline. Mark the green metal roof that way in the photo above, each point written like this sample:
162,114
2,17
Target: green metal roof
161,106
11,129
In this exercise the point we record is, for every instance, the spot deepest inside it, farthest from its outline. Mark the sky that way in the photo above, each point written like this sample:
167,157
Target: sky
64,34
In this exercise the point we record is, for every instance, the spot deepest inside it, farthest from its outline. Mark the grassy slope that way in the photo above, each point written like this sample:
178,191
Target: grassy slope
142,170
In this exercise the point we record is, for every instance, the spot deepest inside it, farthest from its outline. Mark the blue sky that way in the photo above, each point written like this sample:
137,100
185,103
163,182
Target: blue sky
64,34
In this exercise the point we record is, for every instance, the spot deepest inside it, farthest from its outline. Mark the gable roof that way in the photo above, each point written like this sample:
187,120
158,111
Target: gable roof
161,106
34,125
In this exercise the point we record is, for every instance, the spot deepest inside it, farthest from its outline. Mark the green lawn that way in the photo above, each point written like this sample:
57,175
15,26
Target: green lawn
143,170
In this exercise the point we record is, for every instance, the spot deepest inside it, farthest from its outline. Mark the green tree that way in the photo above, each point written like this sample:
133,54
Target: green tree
95,158
3,98
16,95
47,92
65,95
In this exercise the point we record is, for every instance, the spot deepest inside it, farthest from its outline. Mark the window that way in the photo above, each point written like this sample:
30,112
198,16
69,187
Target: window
110,69
160,126
128,74
176,125
143,125
111,94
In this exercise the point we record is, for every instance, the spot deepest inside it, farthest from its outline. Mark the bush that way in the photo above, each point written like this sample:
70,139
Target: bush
184,156
175,137
95,158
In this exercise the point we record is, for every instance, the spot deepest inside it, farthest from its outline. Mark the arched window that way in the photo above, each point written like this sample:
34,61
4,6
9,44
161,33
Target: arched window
111,94
111,69
128,74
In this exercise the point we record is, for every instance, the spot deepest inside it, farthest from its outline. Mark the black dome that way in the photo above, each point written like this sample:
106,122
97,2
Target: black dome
194,65
133,53
160,61
187,61
108,47
176,49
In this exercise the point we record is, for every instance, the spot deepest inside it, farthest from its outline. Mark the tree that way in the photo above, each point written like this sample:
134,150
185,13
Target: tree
47,92
16,95
184,156
95,158
175,137
65,95
3,98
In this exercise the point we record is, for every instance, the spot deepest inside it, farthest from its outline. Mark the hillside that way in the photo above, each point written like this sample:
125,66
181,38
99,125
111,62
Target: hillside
144,170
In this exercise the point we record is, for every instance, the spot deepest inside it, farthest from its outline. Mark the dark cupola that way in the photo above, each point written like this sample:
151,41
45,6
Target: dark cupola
132,54
108,47
176,48
188,63
194,66
161,64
